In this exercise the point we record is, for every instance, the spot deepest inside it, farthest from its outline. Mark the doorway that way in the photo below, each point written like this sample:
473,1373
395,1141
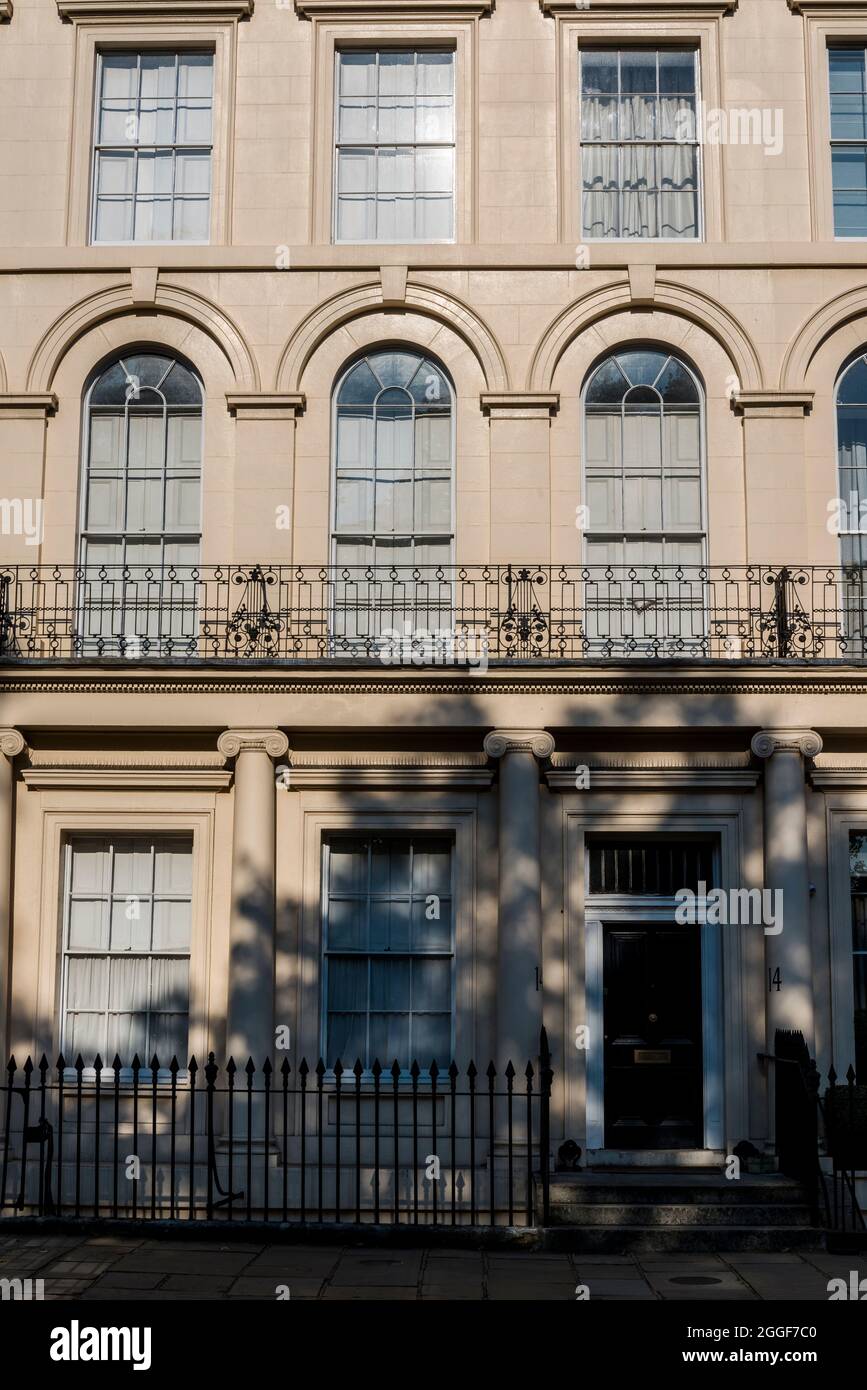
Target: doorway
652,1020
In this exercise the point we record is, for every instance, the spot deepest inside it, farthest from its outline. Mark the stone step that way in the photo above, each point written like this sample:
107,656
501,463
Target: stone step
681,1214
672,1188
602,1240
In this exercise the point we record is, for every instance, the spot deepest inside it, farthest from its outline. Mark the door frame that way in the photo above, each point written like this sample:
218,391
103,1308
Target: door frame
622,911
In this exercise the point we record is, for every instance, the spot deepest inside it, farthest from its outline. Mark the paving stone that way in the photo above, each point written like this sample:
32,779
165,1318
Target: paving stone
128,1280
100,1295
385,1270
616,1286
77,1269
445,1293
376,1293
153,1259
266,1288
198,1283
531,1293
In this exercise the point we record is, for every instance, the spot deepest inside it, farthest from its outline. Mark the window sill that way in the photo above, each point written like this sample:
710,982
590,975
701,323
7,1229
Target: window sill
72,10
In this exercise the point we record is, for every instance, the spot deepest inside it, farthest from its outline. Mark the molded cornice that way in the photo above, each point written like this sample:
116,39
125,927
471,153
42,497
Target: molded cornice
393,9
27,405
770,404
828,8
651,9
265,405
72,10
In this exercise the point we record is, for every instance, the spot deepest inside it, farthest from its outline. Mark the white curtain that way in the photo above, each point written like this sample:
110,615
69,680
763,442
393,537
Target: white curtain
646,190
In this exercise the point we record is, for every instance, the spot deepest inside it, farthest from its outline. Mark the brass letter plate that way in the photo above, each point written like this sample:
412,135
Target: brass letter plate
651,1054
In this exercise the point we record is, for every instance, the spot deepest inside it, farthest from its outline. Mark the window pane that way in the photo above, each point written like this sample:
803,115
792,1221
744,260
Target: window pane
88,924
357,74
431,985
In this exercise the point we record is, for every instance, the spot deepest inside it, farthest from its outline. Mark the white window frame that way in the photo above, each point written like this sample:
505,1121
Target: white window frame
67,952
378,48
139,51
620,44
837,142
451,954
121,534
664,535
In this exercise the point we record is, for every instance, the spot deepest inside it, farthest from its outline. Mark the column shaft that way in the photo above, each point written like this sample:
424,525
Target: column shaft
250,1025
519,952
11,743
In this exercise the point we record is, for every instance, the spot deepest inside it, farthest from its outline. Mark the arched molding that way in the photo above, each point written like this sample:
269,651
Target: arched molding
688,304
364,300
831,318
117,302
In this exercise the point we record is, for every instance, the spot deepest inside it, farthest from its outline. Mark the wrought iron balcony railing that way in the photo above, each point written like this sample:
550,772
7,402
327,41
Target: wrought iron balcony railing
432,615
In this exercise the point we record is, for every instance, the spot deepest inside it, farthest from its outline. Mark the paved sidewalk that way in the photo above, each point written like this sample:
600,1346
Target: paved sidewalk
112,1267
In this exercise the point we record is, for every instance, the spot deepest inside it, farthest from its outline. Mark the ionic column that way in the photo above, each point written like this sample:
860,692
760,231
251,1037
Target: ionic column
519,935
11,744
787,951
250,1030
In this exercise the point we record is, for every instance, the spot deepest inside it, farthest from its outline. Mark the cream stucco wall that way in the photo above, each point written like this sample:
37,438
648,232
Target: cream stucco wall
766,307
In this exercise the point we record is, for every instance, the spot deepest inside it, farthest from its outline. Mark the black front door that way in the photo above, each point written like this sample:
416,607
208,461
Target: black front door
653,1061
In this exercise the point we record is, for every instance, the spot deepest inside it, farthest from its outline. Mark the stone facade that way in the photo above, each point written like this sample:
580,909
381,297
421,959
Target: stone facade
763,753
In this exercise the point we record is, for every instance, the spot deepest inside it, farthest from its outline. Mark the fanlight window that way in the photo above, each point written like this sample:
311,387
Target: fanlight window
393,475
644,490
851,505
141,505
852,461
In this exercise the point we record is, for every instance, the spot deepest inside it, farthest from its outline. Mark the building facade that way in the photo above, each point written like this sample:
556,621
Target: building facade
433,442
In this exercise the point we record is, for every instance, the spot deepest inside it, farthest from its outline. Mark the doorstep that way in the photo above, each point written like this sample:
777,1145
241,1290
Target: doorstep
614,1159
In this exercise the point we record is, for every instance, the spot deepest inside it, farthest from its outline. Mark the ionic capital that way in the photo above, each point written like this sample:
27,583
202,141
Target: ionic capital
502,741
769,741
11,742
235,741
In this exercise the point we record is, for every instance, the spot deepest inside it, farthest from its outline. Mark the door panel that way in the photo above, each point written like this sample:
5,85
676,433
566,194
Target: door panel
653,1053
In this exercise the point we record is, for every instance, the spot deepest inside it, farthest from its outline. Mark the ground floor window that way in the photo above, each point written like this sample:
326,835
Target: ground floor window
858,872
389,950
127,910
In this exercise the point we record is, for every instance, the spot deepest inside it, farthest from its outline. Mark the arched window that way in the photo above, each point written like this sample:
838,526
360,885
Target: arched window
644,468
141,498
141,508
852,460
393,462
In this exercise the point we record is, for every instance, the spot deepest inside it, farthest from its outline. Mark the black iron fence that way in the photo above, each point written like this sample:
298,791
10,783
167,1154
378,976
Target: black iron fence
386,1146
430,615
821,1133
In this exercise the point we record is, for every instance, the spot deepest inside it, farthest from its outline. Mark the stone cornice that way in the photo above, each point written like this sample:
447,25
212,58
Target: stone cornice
126,768
27,405
770,741
11,742
773,404
76,10
700,779
47,678
128,778
829,8
649,9
235,741
536,741
400,10
519,405
839,777
265,405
